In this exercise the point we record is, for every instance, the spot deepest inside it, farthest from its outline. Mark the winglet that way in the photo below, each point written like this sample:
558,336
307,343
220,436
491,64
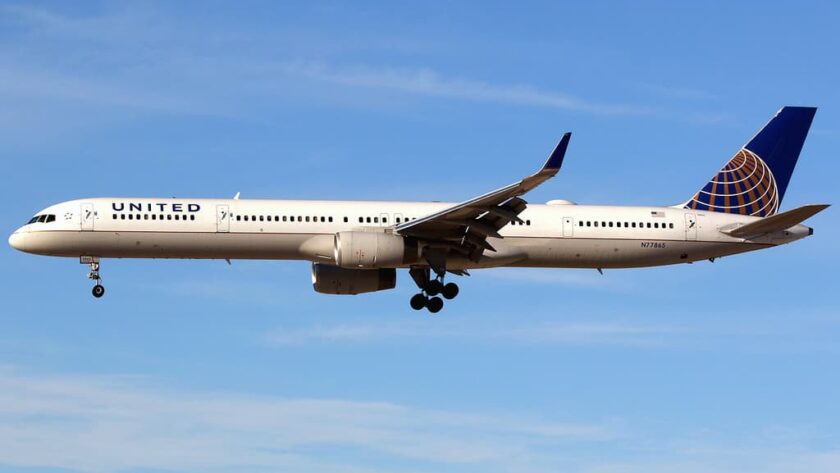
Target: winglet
556,159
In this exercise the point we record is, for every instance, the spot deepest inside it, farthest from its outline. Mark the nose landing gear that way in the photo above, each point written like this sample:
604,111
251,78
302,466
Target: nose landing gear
93,262
430,289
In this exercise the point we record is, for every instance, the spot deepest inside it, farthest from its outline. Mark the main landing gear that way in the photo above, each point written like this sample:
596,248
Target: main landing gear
93,262
430,290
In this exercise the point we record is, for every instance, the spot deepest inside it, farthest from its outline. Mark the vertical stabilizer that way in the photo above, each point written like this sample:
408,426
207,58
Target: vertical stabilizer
754,181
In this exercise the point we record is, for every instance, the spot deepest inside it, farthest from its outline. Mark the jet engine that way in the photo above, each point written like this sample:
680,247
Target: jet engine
329,279
370,250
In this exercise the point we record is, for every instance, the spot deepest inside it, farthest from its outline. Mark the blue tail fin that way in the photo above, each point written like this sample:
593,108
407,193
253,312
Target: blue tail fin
754,181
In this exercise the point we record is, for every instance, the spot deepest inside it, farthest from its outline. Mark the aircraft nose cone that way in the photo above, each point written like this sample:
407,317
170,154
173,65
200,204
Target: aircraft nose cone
18,241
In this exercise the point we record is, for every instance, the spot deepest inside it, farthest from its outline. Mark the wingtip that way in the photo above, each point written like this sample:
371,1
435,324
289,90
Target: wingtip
556,159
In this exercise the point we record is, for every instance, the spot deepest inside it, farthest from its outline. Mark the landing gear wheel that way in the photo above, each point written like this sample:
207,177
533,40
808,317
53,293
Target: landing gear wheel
434,305
98,291
450,290
418,301
434,287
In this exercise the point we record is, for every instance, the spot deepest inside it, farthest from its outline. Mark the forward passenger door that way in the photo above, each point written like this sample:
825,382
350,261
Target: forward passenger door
222,219
87,217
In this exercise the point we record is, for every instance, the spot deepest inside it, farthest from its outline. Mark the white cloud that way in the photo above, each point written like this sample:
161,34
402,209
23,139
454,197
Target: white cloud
574,333
430,83
111,423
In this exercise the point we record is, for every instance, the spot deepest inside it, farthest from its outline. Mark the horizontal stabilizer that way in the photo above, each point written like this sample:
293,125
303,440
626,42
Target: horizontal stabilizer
776,222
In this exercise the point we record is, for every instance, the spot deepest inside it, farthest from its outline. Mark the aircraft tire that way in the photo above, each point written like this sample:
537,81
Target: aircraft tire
418,301
435,304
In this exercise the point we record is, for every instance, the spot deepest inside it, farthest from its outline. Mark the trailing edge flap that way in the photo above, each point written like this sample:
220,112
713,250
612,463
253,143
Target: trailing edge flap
777,222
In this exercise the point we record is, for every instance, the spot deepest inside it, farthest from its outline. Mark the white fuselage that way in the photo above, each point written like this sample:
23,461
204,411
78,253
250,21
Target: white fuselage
560,235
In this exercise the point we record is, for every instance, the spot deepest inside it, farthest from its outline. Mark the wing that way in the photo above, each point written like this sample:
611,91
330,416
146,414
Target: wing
466,226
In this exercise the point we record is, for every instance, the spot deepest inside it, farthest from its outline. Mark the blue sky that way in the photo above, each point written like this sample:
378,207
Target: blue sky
201,366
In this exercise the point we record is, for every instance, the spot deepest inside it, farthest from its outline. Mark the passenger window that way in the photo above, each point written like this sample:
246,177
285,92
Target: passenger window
329,219
648,224
656,225
145,216
122,216
345,219
131,216
168,216
361,220
115,216
367,219
670,225
626,225
610,224
154,216
633,224
307,218
375,219
596,223
192,217
527,222
177,217
588,223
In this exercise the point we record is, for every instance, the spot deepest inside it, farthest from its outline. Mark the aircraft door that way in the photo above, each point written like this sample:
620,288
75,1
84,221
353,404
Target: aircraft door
222,219
690,226
87,217
568,227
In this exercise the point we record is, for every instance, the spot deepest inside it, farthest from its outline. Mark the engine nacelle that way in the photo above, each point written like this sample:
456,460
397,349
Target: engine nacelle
329,279
369,250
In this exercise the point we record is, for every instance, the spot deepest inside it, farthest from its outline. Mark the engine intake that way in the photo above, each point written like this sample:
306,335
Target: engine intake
369,250
329,279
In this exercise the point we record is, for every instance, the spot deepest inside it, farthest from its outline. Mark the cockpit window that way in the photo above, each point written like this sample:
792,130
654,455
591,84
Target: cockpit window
44,218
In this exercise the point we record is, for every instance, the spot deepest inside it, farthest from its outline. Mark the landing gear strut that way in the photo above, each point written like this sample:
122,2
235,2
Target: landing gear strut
93,262
430,289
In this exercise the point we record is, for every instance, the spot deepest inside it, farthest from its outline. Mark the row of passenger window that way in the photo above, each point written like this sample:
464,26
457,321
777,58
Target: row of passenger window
313,219
45,218
152,217
284,218
590,223
524,222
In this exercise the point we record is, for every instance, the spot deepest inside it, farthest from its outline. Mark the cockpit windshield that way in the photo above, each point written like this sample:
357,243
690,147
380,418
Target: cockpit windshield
43,218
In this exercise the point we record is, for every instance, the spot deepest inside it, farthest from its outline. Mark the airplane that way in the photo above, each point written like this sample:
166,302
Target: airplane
357,247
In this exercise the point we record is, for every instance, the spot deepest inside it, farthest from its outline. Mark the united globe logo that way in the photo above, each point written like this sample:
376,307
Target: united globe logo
744,186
